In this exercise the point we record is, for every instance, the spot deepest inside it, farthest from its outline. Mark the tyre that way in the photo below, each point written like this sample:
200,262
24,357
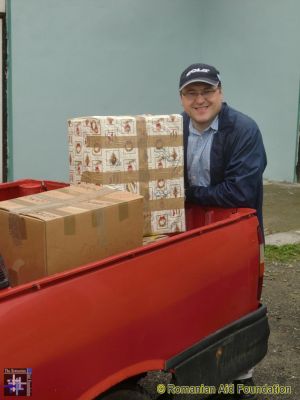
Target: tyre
126,394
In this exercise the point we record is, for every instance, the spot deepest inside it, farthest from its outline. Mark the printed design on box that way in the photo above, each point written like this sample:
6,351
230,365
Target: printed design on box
142,154
79,127
101,156
166,188
117,126
171,218
164,157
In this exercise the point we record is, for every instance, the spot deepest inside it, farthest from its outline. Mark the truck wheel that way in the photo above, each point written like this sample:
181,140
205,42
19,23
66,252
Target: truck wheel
126,394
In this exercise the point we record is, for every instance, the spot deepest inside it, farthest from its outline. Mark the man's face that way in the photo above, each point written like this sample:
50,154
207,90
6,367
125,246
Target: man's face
202,102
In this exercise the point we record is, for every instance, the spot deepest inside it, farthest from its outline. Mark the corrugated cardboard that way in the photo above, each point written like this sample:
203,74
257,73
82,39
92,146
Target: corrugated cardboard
142,154
50,232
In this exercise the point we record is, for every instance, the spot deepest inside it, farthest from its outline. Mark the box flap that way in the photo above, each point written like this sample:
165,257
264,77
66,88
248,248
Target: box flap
75,199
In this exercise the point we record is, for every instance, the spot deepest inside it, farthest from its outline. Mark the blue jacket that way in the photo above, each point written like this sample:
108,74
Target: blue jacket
237,163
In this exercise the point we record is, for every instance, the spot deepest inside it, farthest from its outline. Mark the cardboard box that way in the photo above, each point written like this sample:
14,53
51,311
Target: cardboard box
141,154
50,232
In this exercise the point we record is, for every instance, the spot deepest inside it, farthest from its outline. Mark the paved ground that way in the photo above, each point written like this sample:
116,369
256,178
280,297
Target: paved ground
281,213
281,293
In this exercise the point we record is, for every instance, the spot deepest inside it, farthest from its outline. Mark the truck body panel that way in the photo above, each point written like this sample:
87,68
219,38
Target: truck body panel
82,331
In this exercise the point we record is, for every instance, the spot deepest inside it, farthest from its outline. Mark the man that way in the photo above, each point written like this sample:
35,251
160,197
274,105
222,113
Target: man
224,153
223,149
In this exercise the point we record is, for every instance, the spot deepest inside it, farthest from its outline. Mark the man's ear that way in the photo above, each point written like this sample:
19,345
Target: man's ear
221,93
180,97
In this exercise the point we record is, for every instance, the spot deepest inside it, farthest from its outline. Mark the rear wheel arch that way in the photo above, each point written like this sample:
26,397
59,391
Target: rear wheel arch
125,394
135,388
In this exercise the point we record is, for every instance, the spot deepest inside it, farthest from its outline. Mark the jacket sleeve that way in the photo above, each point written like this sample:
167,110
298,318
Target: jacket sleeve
242,175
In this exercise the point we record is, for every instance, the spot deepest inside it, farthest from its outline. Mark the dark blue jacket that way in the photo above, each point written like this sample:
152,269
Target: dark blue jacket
237,163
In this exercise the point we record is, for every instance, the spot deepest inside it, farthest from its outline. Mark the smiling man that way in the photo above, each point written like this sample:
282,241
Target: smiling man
224,153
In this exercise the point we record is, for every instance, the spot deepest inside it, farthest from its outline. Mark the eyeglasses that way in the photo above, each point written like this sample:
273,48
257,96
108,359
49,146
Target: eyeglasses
193,94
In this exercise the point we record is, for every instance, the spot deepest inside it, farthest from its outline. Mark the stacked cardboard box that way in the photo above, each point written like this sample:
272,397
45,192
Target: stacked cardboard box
142,154
50,232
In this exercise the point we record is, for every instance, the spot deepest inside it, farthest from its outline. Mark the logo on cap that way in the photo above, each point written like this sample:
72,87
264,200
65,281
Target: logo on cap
197,70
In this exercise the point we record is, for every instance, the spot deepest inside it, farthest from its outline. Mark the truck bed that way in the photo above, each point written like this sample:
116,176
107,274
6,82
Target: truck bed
84,330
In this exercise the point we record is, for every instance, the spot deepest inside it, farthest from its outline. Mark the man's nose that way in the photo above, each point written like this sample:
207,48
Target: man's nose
199,98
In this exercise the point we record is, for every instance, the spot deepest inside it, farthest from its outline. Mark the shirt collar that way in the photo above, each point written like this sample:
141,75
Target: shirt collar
212,128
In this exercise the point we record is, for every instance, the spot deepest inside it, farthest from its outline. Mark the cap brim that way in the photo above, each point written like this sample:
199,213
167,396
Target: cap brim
204,80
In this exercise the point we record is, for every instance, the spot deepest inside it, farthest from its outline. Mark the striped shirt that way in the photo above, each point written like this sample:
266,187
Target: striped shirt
198,153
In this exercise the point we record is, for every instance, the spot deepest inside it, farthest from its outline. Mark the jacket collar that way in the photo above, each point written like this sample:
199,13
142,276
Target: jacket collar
224,119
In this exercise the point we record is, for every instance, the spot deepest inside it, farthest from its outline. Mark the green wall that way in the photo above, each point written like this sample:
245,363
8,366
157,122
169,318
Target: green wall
97,57
256,45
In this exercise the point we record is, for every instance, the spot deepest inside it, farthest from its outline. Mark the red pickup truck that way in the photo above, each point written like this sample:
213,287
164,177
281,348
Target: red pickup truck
188,305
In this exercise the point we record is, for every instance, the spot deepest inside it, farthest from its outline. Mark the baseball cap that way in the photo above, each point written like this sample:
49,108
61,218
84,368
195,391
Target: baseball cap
199,73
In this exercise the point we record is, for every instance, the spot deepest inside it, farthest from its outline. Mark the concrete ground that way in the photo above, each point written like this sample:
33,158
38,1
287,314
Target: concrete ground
281,212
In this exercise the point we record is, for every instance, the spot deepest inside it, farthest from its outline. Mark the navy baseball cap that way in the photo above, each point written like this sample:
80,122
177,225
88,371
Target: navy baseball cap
199,73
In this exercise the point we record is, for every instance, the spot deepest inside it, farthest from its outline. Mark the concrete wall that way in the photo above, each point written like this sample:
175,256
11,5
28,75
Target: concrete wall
256,45
96,57
90,57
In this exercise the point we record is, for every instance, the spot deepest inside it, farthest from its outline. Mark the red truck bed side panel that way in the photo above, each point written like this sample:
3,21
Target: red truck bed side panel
138,311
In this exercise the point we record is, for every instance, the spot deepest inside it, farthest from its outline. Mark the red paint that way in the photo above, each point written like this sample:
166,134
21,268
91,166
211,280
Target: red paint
24,187
85,330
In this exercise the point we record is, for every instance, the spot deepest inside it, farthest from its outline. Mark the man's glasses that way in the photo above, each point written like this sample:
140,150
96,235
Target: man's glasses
193,94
